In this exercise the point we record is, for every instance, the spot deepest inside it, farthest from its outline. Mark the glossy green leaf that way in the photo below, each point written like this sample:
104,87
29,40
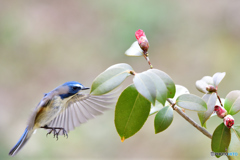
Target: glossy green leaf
134,50
191,102
234,146
110,78
145,86
180,90
232,102
220,139
163,119
154,109
201,86
210,99
236,129
131,112
207,80
167,80
217,78
161,89
203,83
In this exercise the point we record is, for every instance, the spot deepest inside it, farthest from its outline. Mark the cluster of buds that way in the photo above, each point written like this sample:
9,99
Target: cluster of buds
222,113
142,40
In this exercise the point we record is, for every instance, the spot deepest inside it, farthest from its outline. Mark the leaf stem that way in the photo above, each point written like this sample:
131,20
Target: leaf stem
191,121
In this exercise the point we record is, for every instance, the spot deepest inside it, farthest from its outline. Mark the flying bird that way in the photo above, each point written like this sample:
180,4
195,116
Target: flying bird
61,110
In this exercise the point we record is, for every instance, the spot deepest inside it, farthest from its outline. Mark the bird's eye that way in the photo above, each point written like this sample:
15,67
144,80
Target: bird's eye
75,87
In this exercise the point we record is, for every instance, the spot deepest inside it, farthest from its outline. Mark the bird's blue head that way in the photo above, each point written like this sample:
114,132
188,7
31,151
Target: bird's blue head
72,88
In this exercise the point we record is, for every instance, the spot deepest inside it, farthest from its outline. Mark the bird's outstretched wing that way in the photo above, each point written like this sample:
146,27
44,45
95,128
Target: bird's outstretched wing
79,109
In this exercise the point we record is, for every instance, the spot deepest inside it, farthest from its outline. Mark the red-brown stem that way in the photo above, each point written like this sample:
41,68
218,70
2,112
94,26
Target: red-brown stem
219,99
148,60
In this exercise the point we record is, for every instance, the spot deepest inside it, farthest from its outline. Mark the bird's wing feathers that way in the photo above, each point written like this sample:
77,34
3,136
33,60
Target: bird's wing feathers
45,100
79,109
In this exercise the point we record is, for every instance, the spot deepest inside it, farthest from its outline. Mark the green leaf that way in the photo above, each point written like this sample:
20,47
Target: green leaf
210,99
154,109
145,86
232,102
217,78
134,50
167,80
163,119
180,90
110,78
161,89
203,83
131,112
221,139
236,129
207,80
234,146
191,102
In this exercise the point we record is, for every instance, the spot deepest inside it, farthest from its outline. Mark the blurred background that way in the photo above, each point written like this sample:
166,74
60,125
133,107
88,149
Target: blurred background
46,43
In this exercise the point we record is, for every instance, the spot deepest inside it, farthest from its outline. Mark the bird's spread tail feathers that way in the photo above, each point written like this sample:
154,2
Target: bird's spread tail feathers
21,142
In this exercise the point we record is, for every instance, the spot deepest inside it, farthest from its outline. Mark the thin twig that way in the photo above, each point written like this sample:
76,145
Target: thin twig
148,60
191,121
219,99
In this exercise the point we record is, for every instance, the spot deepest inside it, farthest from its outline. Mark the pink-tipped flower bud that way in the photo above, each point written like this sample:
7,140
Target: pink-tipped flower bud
211,88
228,121
220,111
142,40
143,43
139,33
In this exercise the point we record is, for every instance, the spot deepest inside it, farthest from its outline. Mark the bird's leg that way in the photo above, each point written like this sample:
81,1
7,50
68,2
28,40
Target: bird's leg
55,132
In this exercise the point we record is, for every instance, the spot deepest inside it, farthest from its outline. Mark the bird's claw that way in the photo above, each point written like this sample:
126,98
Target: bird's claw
56,131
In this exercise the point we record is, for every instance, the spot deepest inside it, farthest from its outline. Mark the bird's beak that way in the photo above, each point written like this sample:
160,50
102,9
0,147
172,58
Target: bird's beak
85,88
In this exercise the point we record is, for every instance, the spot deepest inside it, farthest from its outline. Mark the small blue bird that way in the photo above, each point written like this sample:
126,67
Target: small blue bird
61,110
